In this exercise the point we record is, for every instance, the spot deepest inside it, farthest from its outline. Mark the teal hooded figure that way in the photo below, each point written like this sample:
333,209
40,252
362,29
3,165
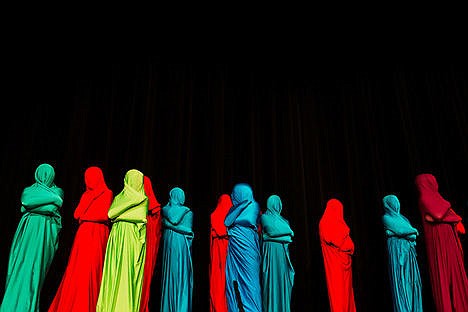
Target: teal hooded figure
35,242
243,290
403,266
277,269
177,270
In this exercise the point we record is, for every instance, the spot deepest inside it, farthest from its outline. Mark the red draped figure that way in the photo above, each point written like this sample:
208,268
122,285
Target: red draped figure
153,237
218,252
444,251
79,288
337,249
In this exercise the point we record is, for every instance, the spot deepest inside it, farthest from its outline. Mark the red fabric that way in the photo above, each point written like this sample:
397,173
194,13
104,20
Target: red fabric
79,288
444,250
153,237
218,252
337,249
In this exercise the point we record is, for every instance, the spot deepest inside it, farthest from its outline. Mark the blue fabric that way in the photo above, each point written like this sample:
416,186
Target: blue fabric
177,270
243,255
403,266
277,269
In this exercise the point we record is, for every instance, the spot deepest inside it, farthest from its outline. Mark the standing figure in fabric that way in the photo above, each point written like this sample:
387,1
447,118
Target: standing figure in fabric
218,252
337,249
177,270
153,236
35,242
243,289
405,278
122,276
277,269
444,251
79,288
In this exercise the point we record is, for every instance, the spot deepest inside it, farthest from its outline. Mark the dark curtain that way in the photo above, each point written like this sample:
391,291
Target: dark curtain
304,131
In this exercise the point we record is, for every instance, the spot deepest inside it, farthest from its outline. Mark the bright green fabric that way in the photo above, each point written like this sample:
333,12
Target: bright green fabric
122,276
35,242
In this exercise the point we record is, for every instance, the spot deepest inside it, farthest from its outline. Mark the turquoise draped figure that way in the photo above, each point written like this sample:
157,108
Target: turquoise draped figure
177,270
403,266
243,291
277,269
35,242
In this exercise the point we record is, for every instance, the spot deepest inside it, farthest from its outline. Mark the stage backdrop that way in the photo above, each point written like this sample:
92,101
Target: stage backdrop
306,132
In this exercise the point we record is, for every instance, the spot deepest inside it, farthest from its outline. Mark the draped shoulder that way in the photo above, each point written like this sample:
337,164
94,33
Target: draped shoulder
273,224
393,221
153,205
131,204
43,196
430,201
332,227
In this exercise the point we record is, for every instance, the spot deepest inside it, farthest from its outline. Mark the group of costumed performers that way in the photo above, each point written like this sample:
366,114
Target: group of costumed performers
117,243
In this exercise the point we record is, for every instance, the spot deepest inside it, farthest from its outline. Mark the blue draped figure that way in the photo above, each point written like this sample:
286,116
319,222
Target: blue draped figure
243,290
403,266
277,269
177,270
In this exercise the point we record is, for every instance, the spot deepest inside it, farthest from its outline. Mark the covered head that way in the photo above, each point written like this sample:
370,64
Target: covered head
176,197
224,200
175,211
426,182
94,179
332,226
131,204
274,204
240,193
45,174
333,210
391,204
134,180
219,214
430,199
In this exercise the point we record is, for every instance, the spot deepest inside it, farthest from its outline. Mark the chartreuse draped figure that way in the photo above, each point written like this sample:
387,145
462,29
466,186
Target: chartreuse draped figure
403,265
124,262
177,270
35,242
243,289
277,269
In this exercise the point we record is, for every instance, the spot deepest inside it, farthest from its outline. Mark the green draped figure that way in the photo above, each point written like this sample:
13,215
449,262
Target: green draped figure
403,265
122,276
177,270
35,242
277,269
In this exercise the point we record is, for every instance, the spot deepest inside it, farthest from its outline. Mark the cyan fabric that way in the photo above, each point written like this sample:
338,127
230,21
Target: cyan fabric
177,269
404,273
277,268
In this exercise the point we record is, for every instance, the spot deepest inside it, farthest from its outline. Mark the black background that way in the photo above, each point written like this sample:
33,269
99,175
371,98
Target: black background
304,130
